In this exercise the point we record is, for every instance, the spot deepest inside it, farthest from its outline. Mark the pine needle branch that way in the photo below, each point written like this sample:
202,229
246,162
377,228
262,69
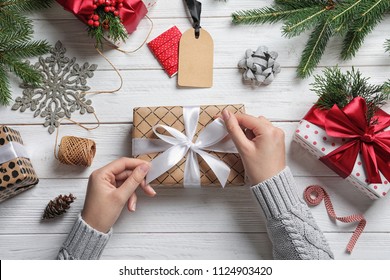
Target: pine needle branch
387,45
362,26
5,92
26,72
28,49
351,19
314,49
24,5
335,87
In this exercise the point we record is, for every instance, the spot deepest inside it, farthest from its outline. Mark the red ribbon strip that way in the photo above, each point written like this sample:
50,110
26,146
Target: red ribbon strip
314,194
131,13
371,140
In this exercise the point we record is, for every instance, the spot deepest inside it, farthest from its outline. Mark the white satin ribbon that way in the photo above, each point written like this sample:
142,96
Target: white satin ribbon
214,137
11,151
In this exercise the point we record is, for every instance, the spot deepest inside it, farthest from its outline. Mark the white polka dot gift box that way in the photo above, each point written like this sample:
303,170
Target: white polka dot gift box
355,149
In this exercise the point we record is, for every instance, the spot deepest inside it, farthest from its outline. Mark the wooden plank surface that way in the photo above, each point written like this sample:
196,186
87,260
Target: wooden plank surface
207,223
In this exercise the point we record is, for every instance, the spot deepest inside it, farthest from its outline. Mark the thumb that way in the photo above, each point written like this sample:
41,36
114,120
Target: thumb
234,129
134,180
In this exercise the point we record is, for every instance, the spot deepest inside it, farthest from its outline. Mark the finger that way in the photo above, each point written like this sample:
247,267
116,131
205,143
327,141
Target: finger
133,181
249,134
122,164
148,190
253,123
123,175
234,129
132,202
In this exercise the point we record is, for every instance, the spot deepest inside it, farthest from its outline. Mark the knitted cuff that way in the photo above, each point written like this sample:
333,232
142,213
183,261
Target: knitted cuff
277,195
85,242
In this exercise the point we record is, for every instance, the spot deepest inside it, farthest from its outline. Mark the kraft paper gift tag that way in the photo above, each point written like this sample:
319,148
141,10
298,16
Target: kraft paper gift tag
196,53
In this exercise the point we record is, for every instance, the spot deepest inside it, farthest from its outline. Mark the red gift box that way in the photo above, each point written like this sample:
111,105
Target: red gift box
131,13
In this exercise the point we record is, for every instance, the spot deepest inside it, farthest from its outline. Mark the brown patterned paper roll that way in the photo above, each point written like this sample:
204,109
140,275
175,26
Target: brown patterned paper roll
16,173
146,117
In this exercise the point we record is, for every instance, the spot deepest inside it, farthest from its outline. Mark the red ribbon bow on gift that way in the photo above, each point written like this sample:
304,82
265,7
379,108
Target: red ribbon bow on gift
369,139
131,13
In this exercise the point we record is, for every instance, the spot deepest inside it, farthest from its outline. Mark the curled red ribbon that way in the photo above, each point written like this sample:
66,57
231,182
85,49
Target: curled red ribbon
131,13
313,196
369,139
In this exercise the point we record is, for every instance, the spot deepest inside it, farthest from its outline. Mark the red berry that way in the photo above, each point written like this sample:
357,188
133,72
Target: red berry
108,2
120,1
95,1
112,9
101,2
120,5
116,13
90,22
95,17
94,6
96,23
107,9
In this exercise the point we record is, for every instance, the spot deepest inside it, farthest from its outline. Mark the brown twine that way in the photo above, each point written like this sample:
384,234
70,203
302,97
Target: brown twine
81,151
113,66
76,150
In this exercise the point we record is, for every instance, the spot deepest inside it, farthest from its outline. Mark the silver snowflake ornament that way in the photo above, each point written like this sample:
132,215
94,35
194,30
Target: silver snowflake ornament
61,91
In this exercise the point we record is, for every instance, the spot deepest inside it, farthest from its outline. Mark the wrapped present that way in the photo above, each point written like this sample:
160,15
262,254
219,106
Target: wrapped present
187,146
16,171
101,14
355,149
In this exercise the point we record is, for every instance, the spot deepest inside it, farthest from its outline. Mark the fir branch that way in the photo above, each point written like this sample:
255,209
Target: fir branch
13,20
26,72
265,15
314,49
362,26
335,87
9,37
116,30
387,45
305,20
352,19
24,5
5,92
28,49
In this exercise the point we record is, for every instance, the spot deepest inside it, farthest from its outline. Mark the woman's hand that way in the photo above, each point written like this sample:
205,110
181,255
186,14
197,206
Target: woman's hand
260,144
110,187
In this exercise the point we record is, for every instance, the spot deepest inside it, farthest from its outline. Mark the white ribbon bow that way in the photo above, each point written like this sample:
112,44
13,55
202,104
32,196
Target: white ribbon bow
212,138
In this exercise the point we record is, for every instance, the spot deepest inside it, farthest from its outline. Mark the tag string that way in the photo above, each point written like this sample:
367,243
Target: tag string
314,194
112,64
195,8
142,44
75,150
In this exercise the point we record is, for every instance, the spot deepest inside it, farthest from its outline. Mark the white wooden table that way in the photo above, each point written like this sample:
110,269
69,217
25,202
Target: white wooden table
205,223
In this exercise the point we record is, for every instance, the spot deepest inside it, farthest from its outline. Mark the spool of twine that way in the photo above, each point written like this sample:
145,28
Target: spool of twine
76,151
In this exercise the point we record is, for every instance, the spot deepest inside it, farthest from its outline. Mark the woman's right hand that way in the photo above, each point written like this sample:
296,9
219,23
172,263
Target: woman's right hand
260,144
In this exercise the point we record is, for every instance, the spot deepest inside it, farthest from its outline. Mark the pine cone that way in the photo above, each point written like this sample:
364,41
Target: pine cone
58,206
259,66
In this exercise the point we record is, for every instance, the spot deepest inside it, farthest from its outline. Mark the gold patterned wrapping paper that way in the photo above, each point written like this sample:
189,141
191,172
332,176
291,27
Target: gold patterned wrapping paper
16,175
145,118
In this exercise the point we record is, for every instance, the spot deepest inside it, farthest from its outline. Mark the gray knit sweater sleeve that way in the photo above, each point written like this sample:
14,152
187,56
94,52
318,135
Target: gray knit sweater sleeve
83,242
290,224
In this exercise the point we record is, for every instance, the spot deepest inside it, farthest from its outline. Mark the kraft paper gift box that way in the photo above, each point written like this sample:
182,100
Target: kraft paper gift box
16,171
195,128
316,133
